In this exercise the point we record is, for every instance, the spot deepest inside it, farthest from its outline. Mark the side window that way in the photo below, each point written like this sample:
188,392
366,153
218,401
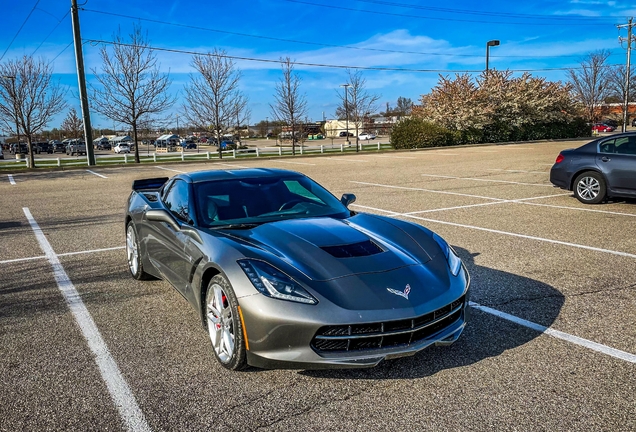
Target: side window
626,145
177,200
608,146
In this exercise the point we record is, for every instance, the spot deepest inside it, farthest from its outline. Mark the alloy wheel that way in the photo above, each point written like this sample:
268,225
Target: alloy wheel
131,250
220,323
588,188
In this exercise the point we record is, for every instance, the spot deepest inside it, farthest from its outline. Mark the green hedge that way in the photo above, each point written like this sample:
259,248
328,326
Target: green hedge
417,133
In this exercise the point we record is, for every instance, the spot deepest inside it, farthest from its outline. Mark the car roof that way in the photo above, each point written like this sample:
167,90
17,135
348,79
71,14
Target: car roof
212,175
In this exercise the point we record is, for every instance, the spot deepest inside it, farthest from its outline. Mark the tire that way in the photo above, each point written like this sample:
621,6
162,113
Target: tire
133,256
224,324
589,187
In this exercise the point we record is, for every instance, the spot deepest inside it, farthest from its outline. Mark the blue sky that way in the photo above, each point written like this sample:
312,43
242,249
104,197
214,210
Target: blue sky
399,34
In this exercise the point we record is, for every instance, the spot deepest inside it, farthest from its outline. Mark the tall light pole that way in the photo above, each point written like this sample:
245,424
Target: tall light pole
15,110
488,45
629,40
267,127
177,124
346,110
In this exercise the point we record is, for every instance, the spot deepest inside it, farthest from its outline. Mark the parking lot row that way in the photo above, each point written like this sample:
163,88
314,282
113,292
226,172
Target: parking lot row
550,344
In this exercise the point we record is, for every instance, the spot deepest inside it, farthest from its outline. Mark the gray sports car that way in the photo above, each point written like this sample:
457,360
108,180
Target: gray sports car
284,275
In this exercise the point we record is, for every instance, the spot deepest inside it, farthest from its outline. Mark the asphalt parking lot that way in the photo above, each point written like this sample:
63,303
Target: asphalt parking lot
551,342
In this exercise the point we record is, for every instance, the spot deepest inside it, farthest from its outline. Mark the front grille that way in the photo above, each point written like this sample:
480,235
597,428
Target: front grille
358,337
353,250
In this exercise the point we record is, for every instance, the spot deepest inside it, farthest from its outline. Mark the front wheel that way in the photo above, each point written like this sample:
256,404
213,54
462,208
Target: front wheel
589,188
224,324
132,252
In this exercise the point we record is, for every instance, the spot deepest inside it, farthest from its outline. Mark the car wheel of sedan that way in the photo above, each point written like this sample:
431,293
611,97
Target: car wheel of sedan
224,324
589,188
134,257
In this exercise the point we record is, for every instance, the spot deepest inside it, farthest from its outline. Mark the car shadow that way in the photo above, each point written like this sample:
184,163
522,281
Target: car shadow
485,335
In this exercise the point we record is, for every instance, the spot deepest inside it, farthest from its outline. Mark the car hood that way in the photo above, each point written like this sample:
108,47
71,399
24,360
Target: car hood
326,248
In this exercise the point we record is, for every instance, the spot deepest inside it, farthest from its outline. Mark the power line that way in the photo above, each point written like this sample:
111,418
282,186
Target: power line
60,53
18,32
385,13
373,68
189,26
49,35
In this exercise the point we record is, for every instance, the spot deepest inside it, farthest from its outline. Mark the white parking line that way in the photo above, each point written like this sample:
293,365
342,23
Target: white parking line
168,169
440,153
11,179
392,157
231,165
518,171
63,254
604,349
428,190
290,162
494,231
98,175
488,180
338,159
118,388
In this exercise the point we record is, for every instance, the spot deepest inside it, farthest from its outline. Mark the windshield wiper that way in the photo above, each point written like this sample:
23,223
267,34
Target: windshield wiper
236,226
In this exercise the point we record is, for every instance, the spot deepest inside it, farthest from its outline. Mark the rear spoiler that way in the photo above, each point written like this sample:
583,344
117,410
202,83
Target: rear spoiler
152,184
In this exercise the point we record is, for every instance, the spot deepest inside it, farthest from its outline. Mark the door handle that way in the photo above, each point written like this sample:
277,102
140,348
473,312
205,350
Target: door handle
605,159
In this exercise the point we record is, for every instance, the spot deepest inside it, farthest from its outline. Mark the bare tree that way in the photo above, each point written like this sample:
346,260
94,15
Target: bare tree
213,98
73,125
590,82
359,102
290,105
28,98
616,77
131,84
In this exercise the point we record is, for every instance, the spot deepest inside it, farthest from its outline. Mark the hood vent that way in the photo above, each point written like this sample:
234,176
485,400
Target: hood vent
354,250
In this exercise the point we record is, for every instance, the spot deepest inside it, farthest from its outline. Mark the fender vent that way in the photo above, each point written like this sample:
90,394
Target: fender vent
353,250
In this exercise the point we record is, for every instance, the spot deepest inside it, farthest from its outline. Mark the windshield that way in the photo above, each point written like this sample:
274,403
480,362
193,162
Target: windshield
259,200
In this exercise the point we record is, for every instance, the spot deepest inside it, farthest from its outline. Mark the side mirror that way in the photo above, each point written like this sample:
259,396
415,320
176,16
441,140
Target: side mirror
159,215
347,199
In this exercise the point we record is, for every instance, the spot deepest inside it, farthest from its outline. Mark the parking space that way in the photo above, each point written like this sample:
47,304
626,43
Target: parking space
534,252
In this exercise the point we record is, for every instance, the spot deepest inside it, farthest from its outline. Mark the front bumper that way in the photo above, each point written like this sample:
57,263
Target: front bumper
284,341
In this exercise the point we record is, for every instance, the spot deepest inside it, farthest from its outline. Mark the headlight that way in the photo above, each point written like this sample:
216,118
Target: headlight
454,262
271,282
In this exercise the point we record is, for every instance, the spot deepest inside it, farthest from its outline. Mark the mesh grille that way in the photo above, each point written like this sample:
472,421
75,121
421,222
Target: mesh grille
377,335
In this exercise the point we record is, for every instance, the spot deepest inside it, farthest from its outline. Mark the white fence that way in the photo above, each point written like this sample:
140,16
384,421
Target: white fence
186,156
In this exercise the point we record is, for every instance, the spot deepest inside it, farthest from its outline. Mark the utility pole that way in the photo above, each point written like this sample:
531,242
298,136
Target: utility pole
79,60
629,39
346,111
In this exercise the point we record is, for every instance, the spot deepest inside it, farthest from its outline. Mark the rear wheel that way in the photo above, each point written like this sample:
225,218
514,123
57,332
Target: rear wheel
589,188
224,324
132,252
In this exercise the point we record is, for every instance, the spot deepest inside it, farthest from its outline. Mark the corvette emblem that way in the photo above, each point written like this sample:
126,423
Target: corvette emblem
404,293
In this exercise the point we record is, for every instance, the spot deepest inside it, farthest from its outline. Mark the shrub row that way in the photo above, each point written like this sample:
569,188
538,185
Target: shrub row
416,133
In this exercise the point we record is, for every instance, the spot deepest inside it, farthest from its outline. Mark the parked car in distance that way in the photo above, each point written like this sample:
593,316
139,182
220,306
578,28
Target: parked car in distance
22,148
610,122
59,147
103,145
634,122
600,169
121,148
344,134
602,127
1,153
188,144
76,147
42,147
366,136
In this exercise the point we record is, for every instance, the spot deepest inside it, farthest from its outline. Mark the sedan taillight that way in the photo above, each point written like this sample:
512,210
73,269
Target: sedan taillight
559,158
